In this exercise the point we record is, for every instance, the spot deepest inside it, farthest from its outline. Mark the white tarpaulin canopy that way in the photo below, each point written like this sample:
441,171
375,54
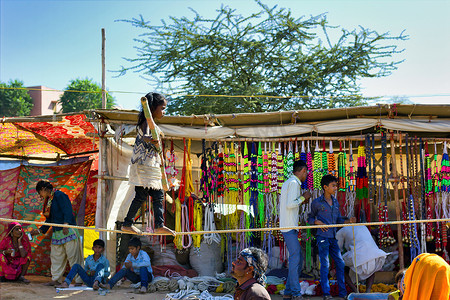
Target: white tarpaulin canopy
406,118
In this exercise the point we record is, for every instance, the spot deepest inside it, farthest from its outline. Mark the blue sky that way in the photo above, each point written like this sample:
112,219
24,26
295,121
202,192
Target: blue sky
51,42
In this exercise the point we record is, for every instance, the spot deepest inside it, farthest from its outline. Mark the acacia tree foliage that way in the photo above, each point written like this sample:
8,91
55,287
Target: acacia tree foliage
14,99
83,94
267,53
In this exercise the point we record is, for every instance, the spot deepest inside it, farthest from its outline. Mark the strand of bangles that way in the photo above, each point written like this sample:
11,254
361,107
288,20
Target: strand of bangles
447,220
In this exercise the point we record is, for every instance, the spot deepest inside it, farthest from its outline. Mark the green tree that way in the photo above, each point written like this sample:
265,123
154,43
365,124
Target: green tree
267,53
14,99
82,94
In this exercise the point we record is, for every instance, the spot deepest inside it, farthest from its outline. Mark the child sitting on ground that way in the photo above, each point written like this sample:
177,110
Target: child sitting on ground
96,268
137,267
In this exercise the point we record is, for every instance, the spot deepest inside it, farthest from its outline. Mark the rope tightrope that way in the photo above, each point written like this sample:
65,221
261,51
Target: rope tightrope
231,230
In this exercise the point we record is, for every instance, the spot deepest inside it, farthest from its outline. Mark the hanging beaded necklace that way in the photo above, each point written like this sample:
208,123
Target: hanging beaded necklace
413,237
437,236
260,190
369,155
289,163
266,170
309,164
324,160
273,170
445,197
303,157
363,209
383,209
182,189
445,170
428,194
268,239
422,204
351,174
254,187
350,185
317,167
280,168
171,169
343,205
189,186
246,190
341,169
405,227
331,161
204,186
220,175
233,185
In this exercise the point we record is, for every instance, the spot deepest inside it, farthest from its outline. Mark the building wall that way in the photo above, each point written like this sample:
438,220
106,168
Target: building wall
45,100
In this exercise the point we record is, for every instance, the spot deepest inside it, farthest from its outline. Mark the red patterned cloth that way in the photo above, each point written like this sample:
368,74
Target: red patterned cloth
91,199
8,185
70,179
17,141
69,134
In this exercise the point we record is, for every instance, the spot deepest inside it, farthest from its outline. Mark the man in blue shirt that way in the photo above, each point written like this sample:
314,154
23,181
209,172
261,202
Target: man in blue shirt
325,211
96,268
137,267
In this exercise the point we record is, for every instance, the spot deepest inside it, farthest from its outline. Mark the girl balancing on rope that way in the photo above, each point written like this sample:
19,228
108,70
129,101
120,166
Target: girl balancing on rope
146,171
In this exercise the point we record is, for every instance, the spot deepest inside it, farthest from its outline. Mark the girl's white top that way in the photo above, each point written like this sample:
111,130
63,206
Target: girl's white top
145,167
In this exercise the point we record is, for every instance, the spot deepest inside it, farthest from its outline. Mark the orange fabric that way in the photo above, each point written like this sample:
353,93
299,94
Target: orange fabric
428,278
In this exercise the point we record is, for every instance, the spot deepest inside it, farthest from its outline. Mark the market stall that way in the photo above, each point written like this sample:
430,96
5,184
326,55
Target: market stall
391,162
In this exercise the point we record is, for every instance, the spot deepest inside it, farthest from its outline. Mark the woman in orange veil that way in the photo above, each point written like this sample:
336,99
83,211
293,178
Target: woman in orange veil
428,278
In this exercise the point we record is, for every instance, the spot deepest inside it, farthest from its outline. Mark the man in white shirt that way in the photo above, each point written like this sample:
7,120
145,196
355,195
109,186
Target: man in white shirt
369,258
290,200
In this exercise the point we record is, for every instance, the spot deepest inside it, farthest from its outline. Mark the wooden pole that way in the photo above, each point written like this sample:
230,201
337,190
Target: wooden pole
103,70
397,205
100,218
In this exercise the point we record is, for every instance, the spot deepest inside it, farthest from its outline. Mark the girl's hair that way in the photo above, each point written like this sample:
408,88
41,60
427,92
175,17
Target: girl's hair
154,100
43,184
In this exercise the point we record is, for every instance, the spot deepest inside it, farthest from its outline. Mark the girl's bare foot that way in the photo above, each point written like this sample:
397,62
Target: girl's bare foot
131,229
164,231
63,285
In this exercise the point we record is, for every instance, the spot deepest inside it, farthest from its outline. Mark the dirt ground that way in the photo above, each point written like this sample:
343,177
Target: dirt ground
36,290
